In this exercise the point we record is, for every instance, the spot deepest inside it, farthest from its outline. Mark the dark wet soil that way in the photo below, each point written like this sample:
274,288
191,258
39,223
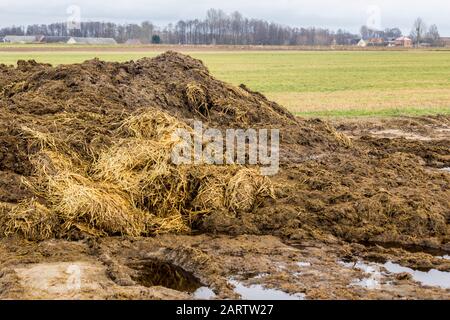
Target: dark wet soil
240,267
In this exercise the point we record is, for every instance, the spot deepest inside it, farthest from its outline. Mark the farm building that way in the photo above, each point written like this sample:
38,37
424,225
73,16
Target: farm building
362,43
403,42
55,39
133,42
445,41
94,41
390,42
354,42
22,39
376,42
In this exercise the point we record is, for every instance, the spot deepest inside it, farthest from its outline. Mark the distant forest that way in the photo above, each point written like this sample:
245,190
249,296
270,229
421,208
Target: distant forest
217,28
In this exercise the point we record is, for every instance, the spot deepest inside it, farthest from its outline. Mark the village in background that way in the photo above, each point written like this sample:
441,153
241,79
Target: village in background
219,28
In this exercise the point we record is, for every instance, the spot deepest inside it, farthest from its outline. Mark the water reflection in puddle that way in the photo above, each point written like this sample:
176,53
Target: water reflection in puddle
204,293
433,277
373,270
150,273
258,292
368,283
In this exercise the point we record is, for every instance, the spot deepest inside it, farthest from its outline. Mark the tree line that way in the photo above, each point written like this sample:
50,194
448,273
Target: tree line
216,28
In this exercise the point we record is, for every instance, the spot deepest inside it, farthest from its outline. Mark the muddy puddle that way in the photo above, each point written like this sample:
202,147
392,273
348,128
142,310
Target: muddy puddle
377,272
151,273
433,277
258,292
373,271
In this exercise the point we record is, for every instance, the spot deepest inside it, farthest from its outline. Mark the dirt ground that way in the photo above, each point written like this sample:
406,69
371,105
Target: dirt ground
309,269
425,128
90,207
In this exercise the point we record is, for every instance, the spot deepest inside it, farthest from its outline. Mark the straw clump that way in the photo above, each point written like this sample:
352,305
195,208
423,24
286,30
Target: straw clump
197,99
246,190
233,190
30,219
340,137
142,168
132,188
101,206
151,123
212,186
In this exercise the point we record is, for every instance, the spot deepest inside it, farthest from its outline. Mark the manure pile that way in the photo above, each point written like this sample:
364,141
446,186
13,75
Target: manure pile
86,149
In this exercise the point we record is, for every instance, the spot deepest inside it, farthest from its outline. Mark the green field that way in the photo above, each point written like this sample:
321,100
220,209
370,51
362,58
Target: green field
310,83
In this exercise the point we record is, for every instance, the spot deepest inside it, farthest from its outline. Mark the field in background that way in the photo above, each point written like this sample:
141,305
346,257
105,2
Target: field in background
309,83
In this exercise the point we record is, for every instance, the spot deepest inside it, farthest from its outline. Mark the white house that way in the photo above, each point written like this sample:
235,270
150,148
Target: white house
21,39
92,41
362,43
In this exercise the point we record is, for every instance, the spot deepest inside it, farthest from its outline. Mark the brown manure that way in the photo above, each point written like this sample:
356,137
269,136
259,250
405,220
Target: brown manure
88,148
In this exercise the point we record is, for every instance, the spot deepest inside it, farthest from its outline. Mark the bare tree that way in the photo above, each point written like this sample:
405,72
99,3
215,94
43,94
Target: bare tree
418,31
364,31
433,35
237,27
146,31
392,33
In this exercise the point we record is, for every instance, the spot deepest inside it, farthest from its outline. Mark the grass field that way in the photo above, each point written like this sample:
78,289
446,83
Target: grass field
309,83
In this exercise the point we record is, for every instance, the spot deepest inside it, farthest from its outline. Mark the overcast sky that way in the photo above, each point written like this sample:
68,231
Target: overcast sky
333,14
